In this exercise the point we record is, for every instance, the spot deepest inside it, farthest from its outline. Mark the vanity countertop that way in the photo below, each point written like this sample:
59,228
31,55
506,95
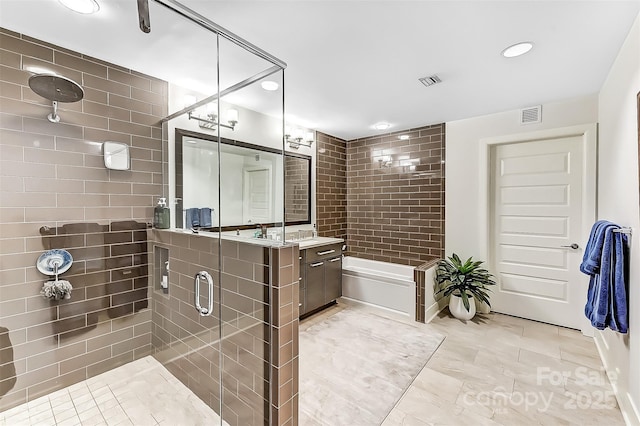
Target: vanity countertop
317,242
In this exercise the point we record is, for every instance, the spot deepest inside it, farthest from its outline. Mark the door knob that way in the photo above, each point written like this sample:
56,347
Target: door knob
573,246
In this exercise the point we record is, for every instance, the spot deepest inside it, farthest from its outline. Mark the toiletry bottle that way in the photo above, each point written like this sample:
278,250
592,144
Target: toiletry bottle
161,212
315,231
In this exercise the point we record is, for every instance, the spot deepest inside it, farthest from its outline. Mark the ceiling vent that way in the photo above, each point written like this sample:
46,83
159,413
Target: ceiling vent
430,81
531,115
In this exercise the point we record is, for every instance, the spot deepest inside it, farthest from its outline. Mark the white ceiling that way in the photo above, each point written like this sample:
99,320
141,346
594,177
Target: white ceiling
354,63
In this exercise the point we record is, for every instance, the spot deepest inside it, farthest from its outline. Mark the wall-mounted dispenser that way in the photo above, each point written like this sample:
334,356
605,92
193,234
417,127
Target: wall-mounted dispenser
116,156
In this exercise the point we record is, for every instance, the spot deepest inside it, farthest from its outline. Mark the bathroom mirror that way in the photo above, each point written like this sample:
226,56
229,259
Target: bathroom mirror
250,176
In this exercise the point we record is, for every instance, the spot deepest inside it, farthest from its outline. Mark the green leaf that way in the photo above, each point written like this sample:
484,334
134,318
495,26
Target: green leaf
465,300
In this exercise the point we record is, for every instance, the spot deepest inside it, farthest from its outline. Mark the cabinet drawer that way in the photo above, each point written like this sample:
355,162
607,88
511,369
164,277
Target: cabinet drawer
323,252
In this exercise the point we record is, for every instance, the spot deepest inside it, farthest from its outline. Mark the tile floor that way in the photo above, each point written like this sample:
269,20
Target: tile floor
355,365
494,370
140,393
502,370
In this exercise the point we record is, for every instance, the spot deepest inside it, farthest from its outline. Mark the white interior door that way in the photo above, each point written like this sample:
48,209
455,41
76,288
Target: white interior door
537,191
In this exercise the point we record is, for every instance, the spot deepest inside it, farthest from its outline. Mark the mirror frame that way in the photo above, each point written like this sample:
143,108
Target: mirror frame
179,183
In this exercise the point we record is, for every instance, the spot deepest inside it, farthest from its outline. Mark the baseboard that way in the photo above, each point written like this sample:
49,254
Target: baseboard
629,411
433,310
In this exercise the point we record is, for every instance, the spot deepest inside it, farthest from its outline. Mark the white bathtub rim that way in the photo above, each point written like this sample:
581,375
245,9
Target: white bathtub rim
386,277
353,262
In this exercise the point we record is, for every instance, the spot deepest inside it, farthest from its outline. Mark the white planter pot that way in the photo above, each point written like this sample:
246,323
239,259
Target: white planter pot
457,309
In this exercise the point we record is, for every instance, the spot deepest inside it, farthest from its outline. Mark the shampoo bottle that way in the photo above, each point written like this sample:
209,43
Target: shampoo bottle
161,215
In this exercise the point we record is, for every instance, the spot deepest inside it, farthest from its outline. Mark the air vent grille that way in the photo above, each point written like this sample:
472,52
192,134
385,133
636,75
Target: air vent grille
430,80
531,115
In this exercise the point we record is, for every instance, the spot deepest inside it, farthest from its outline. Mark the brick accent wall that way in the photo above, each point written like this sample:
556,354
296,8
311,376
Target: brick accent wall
53,175
331,186
395,196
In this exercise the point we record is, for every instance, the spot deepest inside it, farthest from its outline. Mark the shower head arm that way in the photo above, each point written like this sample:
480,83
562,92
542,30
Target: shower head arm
54,117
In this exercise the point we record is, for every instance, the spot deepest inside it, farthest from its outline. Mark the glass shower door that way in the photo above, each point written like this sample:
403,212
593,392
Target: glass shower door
186,319
224,132
252,211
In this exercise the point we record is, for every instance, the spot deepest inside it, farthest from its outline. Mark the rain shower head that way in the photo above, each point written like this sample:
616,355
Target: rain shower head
56,88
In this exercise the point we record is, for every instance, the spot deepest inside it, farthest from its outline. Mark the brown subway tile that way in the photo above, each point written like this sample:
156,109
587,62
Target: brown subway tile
98,108
129,79
43,126
99,136
8,58
75,62
130,104
10,137
109,86
29,63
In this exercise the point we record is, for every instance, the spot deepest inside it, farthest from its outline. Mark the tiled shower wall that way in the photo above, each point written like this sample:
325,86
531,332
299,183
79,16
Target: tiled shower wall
259,333
331,186
56,193
395,196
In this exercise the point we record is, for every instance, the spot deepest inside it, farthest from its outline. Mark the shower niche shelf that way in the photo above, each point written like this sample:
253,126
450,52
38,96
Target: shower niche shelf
161,269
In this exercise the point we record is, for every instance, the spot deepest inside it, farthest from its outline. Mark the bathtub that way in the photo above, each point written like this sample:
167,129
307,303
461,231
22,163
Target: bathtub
382,284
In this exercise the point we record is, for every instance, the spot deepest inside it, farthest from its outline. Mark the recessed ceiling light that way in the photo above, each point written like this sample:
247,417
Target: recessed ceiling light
269,85
403,137
82,6
517,49
381,126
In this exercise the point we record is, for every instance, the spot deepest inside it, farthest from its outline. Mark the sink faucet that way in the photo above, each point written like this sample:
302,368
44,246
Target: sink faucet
261,231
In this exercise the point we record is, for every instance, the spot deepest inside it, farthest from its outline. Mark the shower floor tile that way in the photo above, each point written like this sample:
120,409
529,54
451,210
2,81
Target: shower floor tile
141,393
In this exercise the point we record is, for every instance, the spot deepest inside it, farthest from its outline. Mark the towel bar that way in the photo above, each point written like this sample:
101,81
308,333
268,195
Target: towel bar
623,231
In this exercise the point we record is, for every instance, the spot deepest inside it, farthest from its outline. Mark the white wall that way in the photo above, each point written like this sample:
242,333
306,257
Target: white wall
463,226
618,201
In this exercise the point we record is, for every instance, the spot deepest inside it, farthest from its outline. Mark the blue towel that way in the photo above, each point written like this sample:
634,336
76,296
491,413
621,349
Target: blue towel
593,250
619,309
193,217
604,261
205,217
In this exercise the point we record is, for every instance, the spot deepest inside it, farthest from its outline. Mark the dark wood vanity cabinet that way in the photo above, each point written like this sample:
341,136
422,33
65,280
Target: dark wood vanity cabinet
320,276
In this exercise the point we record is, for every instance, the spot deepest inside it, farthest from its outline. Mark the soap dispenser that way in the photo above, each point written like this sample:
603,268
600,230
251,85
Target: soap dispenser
161,215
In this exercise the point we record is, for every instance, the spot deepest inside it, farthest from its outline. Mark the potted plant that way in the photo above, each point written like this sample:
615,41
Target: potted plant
463,282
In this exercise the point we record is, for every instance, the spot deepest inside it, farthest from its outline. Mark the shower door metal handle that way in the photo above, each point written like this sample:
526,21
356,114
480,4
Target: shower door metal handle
204,312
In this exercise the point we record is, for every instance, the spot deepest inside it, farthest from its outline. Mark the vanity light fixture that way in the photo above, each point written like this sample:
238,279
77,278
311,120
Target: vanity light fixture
81,6
381,126
269,86
403,137
517,49
209,120
296,137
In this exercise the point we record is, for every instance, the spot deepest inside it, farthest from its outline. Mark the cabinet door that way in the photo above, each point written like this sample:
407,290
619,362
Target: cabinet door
314,286
333,279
